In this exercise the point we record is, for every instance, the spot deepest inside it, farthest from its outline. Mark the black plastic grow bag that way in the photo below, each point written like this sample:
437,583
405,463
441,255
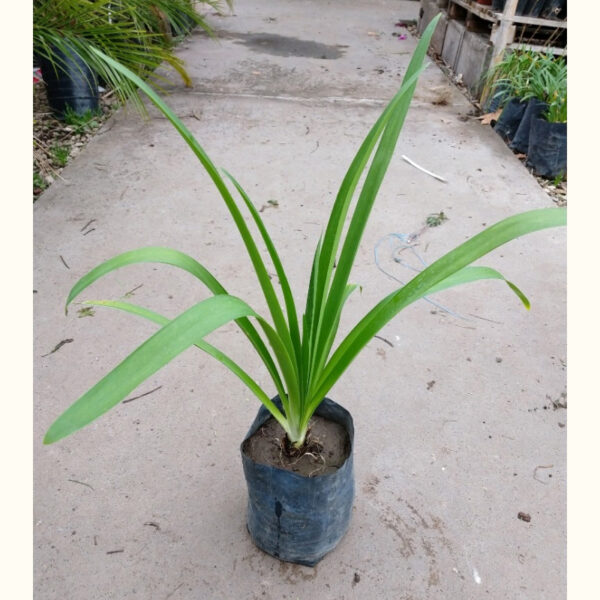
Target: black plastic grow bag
508,122
500,94
554,9
69,84
547,148
534,109
295,518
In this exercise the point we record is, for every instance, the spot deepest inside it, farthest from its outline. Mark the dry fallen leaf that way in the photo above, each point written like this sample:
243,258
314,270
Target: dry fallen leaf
489,117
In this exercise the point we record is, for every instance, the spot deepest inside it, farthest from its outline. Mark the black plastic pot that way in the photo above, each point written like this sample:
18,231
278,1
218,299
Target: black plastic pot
547,148
295,518
554,9
534,109
510,119
499,96
69,84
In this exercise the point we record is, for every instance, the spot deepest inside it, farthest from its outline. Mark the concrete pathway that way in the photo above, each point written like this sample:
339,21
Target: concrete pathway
456,430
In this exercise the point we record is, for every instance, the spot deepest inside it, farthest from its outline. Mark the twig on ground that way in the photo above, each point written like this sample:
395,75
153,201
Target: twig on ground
81,483
384,340
141,395
58,346
87,224
414,164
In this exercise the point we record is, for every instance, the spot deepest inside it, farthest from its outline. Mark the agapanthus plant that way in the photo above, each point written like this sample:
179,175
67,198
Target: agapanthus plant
298,353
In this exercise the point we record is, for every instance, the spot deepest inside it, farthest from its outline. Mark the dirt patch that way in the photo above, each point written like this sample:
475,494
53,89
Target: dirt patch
327,448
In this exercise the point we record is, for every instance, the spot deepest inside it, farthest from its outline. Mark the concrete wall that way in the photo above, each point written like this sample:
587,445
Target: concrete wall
429,9
455,32
473,60
467,53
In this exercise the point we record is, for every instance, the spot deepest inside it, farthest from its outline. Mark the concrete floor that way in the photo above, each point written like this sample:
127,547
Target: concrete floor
455,429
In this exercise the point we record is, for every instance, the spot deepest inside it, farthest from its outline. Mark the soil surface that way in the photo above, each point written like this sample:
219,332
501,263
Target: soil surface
327,448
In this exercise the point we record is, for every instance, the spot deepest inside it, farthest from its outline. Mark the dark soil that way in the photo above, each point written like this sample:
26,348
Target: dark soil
327,448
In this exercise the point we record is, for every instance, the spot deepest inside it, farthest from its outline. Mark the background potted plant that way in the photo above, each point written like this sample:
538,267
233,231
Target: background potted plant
298,353
546,84
548,132
135,33
533,87
509,85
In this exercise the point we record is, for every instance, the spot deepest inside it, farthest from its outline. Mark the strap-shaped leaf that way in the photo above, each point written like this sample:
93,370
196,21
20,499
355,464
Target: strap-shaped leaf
388,127
281,274
154,254
213,172
179,334
206,347
468,274
421,285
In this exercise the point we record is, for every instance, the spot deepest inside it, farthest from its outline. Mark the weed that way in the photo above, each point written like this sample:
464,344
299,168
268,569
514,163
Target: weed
436,219
88,121
60,154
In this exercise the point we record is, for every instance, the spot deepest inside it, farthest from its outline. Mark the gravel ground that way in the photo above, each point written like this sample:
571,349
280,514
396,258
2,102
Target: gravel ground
55,142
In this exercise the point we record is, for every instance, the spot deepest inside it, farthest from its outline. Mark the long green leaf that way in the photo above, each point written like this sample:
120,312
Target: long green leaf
153,254
329,245
183,261
469,274
421,285
377,170
281,274
292,400
204,346
213,172
154,353
309,318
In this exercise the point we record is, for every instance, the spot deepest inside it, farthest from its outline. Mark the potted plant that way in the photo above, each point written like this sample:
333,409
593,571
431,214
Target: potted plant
548,131
135,33
546,80
70,83
295,516
509,82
